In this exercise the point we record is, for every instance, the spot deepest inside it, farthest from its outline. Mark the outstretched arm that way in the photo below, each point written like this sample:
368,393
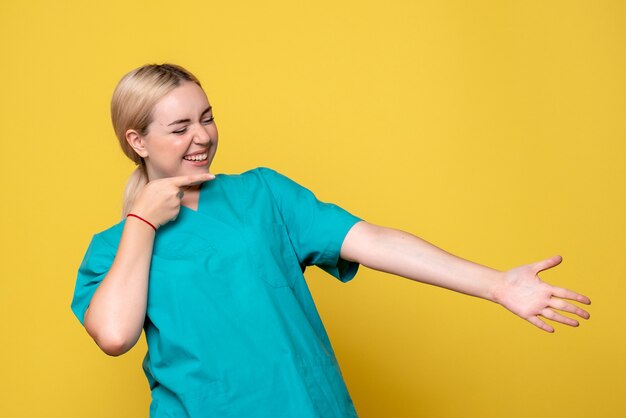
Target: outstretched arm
519,290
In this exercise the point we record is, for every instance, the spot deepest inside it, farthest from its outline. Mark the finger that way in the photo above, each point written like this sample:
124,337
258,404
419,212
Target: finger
191,180
561,305
547,263
557,317
570,294
540,324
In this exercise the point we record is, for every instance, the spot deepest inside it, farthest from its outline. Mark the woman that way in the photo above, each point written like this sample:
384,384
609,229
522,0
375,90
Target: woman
211,267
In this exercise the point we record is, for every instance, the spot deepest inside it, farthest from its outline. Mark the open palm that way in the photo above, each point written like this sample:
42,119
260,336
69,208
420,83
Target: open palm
526,295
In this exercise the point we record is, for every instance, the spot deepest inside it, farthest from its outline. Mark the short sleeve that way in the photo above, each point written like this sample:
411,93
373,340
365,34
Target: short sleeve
316,229
93,268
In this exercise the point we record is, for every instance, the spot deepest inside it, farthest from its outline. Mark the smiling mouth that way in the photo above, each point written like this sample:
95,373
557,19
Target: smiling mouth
197,157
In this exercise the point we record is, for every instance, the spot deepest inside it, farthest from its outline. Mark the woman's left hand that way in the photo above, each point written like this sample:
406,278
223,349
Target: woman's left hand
523,293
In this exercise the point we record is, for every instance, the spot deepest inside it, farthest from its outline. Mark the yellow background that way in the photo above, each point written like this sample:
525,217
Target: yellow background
494,129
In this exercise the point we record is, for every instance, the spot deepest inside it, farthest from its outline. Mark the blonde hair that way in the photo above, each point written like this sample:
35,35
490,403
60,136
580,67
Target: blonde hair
132,104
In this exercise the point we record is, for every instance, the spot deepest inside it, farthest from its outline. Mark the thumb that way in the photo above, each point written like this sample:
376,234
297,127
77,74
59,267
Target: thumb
547,263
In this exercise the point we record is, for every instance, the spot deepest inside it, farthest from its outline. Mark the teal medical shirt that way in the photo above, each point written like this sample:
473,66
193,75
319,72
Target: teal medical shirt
231,327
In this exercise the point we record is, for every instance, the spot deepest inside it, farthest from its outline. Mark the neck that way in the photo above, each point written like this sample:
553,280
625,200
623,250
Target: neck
191,197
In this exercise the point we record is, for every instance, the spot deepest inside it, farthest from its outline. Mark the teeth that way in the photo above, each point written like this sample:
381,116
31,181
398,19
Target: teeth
197,157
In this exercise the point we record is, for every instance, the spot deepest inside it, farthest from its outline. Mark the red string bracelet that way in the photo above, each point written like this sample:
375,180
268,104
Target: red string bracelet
139,217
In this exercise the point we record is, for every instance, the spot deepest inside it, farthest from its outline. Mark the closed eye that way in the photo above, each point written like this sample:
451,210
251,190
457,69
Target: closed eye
206,121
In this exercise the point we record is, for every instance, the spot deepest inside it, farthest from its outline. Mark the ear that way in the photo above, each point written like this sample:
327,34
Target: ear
137,142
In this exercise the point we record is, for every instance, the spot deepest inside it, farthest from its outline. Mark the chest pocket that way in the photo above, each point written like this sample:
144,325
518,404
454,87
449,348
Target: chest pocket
271,254
178,281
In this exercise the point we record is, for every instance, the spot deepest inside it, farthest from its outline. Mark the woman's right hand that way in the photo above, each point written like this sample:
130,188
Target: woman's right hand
159,200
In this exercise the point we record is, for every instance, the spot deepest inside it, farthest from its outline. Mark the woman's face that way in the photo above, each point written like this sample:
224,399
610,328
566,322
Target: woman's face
182,138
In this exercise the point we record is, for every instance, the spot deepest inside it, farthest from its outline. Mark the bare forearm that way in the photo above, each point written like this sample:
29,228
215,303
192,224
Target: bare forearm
403,254
519,289
117,310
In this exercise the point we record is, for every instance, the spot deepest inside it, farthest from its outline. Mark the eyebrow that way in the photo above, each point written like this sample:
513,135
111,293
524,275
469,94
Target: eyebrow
176,122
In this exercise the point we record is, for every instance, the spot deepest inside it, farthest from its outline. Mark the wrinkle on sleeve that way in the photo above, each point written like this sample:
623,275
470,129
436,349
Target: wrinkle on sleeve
94,267
316,229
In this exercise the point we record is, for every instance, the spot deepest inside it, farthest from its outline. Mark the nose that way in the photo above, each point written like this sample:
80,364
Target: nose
200,135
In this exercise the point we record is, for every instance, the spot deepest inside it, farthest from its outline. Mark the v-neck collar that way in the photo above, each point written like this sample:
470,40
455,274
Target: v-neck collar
206,210
202,187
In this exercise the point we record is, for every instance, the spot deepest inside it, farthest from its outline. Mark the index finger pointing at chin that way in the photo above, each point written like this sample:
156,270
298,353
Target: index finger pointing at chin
192,180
